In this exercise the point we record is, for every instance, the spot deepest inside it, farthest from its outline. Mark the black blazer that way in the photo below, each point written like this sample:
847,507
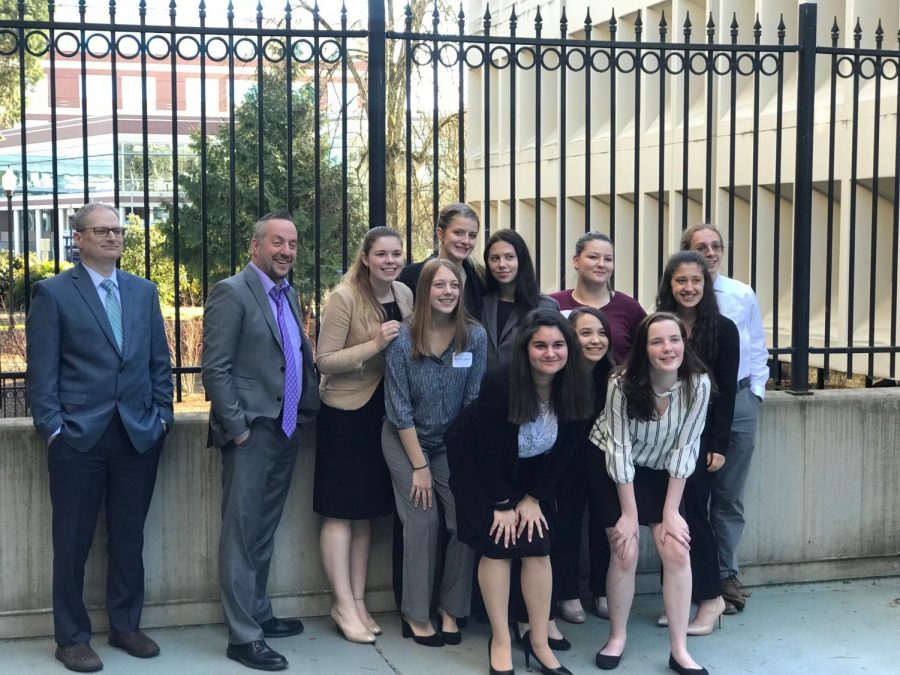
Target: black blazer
723,368
500,346
472,291
484,454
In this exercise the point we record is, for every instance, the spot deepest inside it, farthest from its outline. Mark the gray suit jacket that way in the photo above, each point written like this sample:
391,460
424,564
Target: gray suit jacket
500,346
77,376
243,362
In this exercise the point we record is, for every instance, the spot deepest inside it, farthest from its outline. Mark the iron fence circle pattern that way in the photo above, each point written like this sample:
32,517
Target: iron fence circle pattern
196,48
120,46
213,46
773,59
504,52
618,61
158,47
740,62
447,48
571,64
13,38
68,38
604,54
273,50
650,56
527,65
468,61
892,72
303,51
421,54
678,58
719,59
37,47
331,51
547,57
245,50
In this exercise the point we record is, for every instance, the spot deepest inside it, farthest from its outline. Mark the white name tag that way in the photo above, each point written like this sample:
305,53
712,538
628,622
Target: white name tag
462,360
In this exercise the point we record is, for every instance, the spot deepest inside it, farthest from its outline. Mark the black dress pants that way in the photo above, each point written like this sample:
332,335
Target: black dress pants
572,495
704,550
113,471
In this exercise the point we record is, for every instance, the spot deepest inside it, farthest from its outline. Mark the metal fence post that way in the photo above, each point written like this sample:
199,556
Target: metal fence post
377,113
806,81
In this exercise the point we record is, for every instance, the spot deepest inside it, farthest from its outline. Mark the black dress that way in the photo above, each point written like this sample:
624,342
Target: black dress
351,479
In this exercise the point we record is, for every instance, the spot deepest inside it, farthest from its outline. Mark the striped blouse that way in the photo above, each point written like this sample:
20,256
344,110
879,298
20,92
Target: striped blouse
670,442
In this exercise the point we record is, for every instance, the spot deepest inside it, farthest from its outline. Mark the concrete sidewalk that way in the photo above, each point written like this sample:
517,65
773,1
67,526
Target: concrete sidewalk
829,628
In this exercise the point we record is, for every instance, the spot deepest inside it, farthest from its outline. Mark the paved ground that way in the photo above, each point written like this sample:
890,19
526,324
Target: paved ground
831,628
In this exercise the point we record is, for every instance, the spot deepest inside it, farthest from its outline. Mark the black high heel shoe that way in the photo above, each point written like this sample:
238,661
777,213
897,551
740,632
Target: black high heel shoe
678,668
529,654
434,640
494,671
556,644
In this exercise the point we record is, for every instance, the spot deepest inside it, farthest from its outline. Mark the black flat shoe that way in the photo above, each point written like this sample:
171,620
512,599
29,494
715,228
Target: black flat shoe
529,654
257,655
559,645
433,640
678,668
494,671
278,628
453,638
607,661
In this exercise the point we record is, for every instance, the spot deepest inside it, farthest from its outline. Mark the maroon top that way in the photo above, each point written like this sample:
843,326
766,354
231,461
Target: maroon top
624,314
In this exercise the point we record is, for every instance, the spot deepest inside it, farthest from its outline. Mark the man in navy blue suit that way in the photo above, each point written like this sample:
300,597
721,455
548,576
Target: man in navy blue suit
100,389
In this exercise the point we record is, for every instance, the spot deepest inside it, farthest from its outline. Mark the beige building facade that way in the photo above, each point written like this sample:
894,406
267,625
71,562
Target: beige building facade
651,135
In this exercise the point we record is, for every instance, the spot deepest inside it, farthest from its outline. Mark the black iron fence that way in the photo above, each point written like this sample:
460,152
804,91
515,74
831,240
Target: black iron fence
631,125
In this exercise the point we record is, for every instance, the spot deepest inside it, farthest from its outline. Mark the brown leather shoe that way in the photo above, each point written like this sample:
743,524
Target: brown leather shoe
731,591
135,643
729,609
79,657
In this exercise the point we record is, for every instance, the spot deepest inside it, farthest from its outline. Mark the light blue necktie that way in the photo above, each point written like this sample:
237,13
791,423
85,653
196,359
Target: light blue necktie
291,382
113,310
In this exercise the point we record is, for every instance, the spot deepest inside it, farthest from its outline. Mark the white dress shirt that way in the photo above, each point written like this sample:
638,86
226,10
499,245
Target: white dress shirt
738,302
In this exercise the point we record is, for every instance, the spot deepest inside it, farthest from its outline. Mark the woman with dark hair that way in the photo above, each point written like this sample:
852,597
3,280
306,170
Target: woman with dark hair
432,369
592,329
457,232
508,451
511,291
686,289
594,263
655,413
352,484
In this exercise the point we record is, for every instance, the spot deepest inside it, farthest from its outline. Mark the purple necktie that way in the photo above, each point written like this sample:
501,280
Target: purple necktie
291,390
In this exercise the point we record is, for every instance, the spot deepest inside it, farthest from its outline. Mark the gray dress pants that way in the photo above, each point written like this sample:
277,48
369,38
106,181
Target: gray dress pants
422,536
256,477
726,505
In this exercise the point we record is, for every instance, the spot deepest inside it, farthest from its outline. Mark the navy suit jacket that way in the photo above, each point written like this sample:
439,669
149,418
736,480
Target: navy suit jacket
77,377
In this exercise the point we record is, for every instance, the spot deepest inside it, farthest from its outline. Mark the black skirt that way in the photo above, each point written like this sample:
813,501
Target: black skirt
650,487
474,520
351,477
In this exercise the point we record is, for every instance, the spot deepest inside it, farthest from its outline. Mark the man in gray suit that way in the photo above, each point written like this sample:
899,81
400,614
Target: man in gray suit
260,378
100,388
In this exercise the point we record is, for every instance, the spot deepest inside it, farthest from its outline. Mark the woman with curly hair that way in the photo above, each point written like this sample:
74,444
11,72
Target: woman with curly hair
686,289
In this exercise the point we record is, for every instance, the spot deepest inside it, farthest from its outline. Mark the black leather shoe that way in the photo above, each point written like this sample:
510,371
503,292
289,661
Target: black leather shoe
257,655
135,643
278,628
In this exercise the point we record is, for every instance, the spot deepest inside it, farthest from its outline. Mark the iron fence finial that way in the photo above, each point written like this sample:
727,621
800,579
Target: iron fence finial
259,12
613,25
639,23
407,18
687,26
486,19
857,33
588,22
835,33
513,21
435,17
538,21
757,29
734,27
202,11
563,23
782,29
172,8
879,35
230,11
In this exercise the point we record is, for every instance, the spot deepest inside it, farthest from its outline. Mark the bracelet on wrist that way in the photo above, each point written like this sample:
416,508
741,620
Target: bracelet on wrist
416,468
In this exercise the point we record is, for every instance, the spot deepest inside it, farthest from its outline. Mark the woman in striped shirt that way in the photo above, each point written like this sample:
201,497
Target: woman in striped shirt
655,413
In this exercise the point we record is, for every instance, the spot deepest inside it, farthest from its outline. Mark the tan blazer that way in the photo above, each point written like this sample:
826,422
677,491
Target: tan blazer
348,382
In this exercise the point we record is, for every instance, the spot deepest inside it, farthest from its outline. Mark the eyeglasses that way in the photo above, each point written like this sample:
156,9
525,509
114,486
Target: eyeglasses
103,232
716,246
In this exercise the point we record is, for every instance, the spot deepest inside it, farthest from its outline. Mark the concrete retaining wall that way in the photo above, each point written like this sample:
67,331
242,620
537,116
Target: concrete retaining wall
823,503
